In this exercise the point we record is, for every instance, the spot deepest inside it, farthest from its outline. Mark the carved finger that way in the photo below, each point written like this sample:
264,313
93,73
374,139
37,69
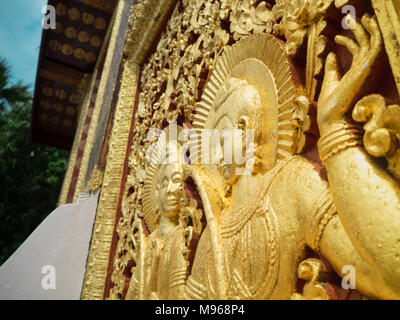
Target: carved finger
366,22
331,77
359,32
348,43
331,69
371,25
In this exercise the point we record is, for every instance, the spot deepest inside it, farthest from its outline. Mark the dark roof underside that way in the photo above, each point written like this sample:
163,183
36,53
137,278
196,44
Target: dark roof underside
67,54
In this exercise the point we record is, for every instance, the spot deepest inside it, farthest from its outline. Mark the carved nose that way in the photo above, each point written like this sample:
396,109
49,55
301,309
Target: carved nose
170,187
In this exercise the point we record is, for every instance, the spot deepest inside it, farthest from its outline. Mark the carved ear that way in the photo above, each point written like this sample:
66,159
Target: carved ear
244,123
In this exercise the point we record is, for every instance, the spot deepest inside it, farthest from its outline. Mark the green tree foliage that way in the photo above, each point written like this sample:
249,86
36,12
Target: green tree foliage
30,174
11,94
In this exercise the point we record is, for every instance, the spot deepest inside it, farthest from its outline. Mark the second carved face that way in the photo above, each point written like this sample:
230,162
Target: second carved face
170,190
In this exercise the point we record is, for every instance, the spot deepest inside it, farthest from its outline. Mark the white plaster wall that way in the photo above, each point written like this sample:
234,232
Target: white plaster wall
61,240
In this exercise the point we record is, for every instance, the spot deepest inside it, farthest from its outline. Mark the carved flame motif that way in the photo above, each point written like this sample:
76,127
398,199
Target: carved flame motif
382,129
314,289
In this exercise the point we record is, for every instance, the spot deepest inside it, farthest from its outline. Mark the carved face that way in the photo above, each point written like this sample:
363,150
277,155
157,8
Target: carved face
241,109
227,167
170,190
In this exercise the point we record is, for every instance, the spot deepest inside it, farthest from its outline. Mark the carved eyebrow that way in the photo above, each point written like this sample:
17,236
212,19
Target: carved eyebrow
164,178
177,175
222,117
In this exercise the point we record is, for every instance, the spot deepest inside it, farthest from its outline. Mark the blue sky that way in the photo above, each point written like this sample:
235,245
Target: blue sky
20,35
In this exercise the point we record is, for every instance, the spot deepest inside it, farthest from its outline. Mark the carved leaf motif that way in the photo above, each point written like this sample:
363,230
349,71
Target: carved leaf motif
302,19
320,47
249,16
316,46
171,84
297,16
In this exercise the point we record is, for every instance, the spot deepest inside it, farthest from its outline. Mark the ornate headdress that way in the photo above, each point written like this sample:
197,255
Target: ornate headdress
260,60
159,154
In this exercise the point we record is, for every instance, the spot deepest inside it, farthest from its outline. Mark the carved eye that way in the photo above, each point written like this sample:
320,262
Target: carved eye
164,183
243,123
177,179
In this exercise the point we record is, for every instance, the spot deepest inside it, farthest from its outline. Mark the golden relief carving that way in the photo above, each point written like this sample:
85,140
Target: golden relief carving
314,289
247,16
218,66
171,84
303,19
255,90
96,180
161,258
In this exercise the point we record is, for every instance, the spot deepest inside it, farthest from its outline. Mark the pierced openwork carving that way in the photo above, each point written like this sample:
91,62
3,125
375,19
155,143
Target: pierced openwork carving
228,65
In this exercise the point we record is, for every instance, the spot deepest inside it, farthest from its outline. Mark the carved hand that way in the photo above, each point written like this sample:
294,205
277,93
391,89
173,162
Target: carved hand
337,94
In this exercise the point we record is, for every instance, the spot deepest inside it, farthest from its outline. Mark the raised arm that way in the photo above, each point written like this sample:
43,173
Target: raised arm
367,198
325,233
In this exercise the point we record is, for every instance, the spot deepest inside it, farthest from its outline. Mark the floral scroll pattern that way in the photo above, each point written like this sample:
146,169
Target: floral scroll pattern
171,85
